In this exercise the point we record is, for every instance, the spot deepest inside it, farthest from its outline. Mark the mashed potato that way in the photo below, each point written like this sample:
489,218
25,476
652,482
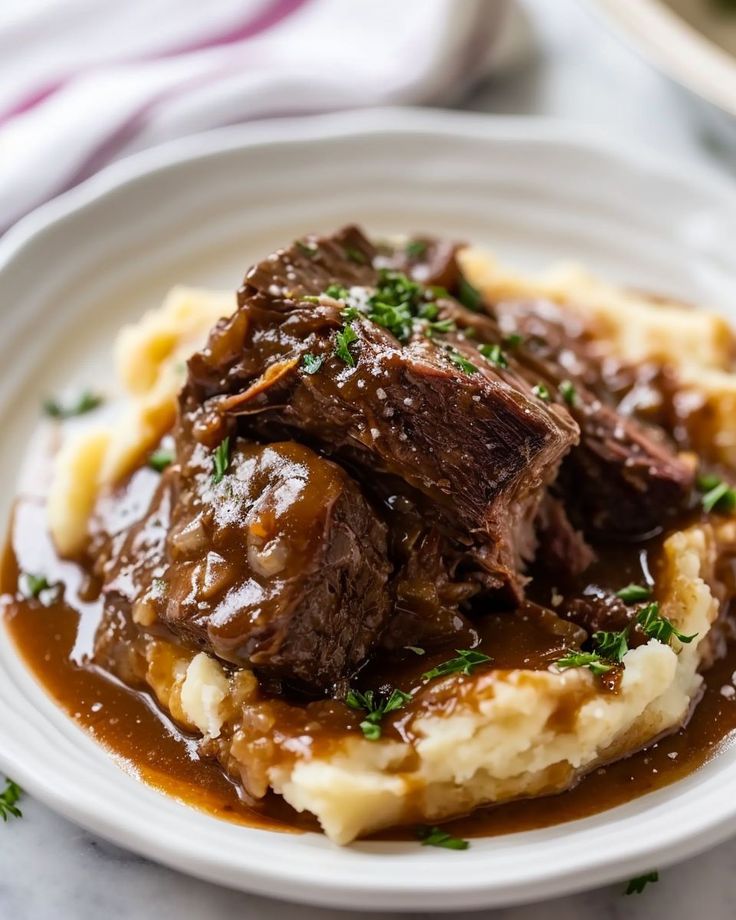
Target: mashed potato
150,360
510,733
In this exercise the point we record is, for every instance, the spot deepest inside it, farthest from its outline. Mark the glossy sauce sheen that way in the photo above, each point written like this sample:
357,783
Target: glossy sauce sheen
56,642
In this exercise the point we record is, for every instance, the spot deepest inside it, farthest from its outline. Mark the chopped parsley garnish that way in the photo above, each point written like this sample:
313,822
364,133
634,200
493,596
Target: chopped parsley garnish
160,459
415,648
591,660
85,402
494,353
35,584
637,885
376,708
38,587
343,340
568,392
718,495
312,363
464,663
312,298
513,340
8,800
658,627
459,361
541,392
415,249
337,292
395,303
355,255
611,645
221,460
307,248
469,296
632,593
396,318
436,837
441,325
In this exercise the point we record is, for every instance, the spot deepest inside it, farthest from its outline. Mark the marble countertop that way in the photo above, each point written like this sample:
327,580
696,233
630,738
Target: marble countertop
51,869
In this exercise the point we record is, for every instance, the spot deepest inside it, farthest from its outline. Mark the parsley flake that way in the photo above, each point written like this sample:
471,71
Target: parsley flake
312,363
309,249
8,800
221,460
396,318
436,837
637,885
343,340
416,249
568,392
160,459
376,708
590,660
541,392
632,593
35,584
337,292
415,648
719,495
612,645
469,296
38,587
494,353
85,402
658,627
395,303
441,325
513,340
459,361
355,255
464,663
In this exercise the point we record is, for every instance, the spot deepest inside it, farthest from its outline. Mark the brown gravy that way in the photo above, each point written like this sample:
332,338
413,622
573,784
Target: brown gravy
56,643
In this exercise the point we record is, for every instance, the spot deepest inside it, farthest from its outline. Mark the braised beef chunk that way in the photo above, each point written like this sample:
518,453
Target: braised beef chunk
622,480
561,547
367,464
281,565
624,477
429,595
385,394
479,449
129,542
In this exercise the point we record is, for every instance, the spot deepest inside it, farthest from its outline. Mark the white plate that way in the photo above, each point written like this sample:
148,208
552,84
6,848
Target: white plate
198,213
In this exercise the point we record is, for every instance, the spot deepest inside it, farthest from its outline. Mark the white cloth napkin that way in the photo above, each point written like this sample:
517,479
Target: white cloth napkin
87,81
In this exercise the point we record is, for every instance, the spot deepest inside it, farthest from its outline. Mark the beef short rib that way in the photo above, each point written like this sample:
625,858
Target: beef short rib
281,565
390,400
